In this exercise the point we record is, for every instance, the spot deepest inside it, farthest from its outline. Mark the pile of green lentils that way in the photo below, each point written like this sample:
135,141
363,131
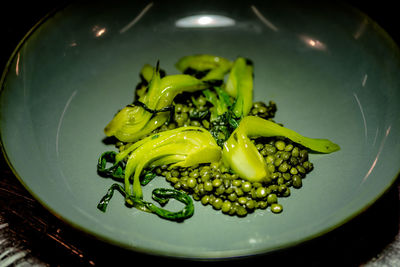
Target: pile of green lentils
214,185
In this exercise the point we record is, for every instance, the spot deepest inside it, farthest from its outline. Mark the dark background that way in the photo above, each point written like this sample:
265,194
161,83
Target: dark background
369,239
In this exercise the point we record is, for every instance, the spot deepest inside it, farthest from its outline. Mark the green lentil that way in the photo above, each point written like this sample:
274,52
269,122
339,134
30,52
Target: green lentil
226,206
171,126
286,155
259,146
178,185
283,167
208,186
184,184
229,190
282,188
220,190
201,101
263,152
269,159
227,183
205,199
214,165
257,185
246,187
241,211
303,153
200,189
272,198
262,110
232,197
217,203
236,182
289,147
262,204
261,192
293,171
196,196
274,176
204,170
195,123
278,162
308,165
295,152
286,193
216,182
250,204
191,182
273,188
280,145
175,173
301,169
194,174
205,177
286,176
270,149
239,192
242,200
234,176
212,199
297,182
293,161
276,208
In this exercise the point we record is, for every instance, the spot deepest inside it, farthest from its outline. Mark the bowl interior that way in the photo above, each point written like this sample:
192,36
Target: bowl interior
331,70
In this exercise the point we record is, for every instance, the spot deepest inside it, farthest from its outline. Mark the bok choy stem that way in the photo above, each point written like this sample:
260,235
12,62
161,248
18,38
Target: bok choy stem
215,67
241,155
136,121
240,86
181,147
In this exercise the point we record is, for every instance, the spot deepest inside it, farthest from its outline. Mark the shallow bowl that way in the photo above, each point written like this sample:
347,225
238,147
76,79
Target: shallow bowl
333,72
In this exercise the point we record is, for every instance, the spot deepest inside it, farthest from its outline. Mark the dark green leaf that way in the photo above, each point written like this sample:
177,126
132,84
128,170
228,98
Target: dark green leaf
106,199
116,170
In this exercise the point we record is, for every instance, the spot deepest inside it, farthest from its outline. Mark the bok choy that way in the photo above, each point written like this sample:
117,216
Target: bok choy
152,109
180,147
241,155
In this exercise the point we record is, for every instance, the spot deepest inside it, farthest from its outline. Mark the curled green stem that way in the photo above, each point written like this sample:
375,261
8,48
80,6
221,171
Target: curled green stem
161,195
116,170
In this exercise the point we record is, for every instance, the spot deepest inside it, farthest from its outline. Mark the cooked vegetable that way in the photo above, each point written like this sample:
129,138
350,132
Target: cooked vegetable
161,195
206,67
222,120
146,73
181,147
219,99
243,157
240,86
152,109
208,139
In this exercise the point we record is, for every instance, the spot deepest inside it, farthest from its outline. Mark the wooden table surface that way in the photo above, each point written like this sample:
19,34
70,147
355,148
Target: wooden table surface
31,236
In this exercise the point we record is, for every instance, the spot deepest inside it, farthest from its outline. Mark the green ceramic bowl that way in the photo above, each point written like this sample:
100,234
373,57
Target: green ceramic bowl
332,71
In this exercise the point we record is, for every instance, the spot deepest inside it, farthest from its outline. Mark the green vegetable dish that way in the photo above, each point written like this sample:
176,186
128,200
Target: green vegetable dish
202,131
